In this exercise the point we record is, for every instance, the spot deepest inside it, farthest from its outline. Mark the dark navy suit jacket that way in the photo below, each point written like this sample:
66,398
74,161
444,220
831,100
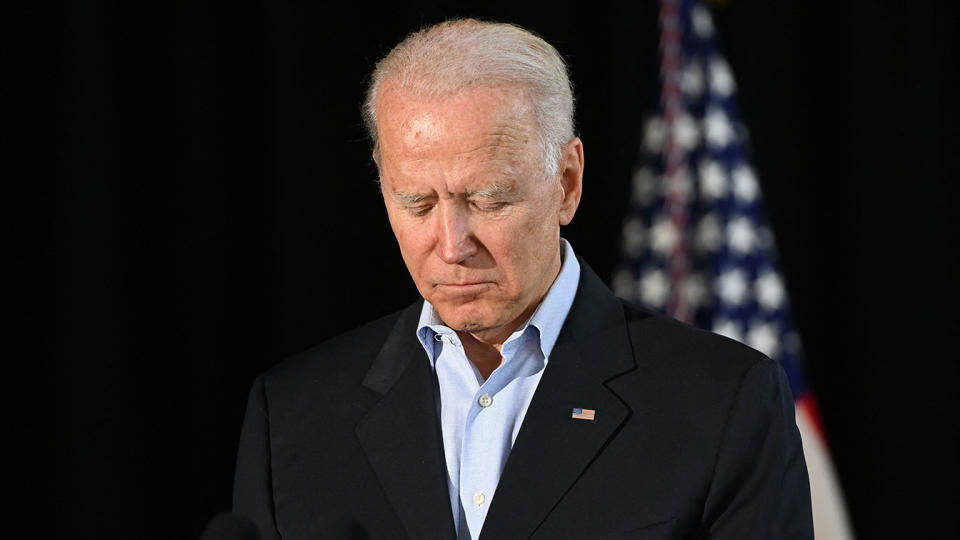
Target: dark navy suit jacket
694,437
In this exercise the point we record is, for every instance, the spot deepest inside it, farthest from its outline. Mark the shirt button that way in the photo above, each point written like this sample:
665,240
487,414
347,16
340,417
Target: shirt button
445,339
478,498
485,401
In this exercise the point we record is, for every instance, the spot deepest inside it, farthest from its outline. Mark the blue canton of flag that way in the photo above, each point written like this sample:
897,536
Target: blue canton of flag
696,244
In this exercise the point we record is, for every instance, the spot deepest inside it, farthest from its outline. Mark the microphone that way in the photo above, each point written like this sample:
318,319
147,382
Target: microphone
227,526
336,527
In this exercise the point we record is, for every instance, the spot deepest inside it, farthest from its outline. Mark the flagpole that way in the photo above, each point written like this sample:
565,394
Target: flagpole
677,185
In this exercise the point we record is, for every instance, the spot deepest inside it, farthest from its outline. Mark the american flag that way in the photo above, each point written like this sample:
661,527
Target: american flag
696,244
583,414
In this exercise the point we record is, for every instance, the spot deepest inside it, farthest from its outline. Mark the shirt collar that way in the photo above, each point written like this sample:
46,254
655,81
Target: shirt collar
547,319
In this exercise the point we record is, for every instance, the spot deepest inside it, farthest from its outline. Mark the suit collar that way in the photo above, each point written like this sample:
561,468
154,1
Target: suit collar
401,433
387,368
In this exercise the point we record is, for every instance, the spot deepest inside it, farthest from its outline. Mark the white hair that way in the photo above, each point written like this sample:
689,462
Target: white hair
458,54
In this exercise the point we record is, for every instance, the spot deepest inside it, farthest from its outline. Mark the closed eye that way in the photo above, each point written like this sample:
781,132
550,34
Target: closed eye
488,206
419,211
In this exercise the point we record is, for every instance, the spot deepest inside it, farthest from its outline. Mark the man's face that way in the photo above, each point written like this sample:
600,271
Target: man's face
477,221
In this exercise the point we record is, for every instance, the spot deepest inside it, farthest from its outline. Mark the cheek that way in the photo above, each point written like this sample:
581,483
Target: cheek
415,239
405,232
517,250
414,245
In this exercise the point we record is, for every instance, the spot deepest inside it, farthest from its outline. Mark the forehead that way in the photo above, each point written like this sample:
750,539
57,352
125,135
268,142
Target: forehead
492,125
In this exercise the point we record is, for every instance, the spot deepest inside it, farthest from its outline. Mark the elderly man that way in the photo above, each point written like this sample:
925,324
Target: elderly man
519,398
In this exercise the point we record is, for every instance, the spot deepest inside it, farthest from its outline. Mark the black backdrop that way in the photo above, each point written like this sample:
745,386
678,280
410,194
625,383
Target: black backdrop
187,198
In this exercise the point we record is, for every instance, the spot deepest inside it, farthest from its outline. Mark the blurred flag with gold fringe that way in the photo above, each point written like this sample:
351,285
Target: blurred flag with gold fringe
696,244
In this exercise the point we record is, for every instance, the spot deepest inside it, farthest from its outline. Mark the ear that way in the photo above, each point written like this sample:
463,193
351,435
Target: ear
571,179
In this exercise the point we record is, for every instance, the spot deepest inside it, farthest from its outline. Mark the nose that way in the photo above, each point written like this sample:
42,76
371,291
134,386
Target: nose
455,242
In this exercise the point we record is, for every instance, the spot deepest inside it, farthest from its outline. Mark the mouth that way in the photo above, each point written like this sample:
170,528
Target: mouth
464,287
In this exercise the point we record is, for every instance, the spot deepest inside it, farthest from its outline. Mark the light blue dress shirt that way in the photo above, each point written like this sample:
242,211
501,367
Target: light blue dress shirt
480,419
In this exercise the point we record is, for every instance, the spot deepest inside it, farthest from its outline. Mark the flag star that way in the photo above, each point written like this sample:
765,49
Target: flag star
654,133
663,236
764,337
695,290
745,185
692,79
741,236
708,235
654,288
634,237
686,132
719,131
732,287
701,21
644,186
769,290
726,327
713,179
720,77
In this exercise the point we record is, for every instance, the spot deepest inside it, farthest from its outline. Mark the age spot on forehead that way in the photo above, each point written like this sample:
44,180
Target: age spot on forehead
422,128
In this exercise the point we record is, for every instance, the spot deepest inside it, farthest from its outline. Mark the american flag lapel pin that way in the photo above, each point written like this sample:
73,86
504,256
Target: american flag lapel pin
583,414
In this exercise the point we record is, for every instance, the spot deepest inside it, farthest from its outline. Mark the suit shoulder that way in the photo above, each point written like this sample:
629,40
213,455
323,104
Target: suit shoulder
667,343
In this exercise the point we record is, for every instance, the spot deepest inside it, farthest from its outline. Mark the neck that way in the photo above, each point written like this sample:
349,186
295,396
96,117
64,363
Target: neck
485,356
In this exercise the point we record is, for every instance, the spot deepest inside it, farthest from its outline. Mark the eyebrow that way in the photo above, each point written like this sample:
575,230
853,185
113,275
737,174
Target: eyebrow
488,192
492,191
408,198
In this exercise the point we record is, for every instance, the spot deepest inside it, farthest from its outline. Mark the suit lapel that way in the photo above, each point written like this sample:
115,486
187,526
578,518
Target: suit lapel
552,448
401,433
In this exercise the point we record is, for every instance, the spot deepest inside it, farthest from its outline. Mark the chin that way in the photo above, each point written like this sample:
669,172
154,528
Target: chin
463,320
471,327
